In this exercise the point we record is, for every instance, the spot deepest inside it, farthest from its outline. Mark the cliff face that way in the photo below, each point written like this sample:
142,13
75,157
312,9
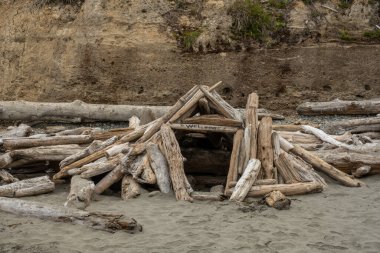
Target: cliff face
129,52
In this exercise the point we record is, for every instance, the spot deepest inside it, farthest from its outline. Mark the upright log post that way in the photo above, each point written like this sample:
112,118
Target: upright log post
233,169
265,150
251,121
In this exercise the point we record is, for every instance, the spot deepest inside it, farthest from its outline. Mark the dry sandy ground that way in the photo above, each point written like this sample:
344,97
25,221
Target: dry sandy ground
338,220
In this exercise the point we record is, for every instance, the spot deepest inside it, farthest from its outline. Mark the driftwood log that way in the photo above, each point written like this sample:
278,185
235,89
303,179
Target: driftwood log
213,196
265,150
362,125
95,220
286,189
319,164
28,187
234,160
81,192
129,188
246,180
340,107
181,186
160,167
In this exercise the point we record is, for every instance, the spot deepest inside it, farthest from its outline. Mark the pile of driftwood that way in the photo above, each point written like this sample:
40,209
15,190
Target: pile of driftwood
200,141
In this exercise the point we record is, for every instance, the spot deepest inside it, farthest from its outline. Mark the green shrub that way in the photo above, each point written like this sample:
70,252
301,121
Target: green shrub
345,35
375,34
250,19
188,38
344,4
279,4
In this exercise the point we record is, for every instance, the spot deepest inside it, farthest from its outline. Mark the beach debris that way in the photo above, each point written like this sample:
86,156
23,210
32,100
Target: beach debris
28,187
96,220
199,142
340,107
277,200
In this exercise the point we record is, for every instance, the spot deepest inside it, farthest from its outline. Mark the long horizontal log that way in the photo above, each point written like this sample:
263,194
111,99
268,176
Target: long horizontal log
286,189
95,220
361,125
28,187
213,196
349,161
340,107
46,141
79,111
203,128
214,120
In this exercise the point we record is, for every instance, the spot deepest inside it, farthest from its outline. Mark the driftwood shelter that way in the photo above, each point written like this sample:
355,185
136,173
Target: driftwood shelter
200,140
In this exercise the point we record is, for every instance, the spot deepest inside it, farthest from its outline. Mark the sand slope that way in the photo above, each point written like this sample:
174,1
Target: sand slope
339,220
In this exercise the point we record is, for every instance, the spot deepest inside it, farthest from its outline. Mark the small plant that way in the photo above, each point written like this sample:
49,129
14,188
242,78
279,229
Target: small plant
375,34
250,19
188,38
344,35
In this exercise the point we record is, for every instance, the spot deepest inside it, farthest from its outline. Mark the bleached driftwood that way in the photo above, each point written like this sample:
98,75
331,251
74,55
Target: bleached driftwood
265,150
246,180
129,188
340,107
160,167
95,220
234,160
81,192
28,187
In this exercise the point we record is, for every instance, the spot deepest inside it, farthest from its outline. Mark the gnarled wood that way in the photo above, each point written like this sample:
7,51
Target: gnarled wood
129,188
95,220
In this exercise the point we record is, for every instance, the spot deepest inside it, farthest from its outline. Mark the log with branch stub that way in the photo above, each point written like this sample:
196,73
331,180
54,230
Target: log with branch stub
246,180
28,187
340,107
176,168
95,220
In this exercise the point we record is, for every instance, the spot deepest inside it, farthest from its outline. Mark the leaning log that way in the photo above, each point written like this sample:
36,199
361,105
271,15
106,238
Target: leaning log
95,220
319,164
246,180
175,161
81,192
28,187
160,167
340,107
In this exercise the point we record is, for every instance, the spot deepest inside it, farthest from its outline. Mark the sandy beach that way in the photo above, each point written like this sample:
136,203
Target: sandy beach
340,219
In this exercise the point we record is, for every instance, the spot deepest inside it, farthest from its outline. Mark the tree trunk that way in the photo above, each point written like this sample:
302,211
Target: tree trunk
175,160
246,180
28,187
340,107
81,192
265,150
95,220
